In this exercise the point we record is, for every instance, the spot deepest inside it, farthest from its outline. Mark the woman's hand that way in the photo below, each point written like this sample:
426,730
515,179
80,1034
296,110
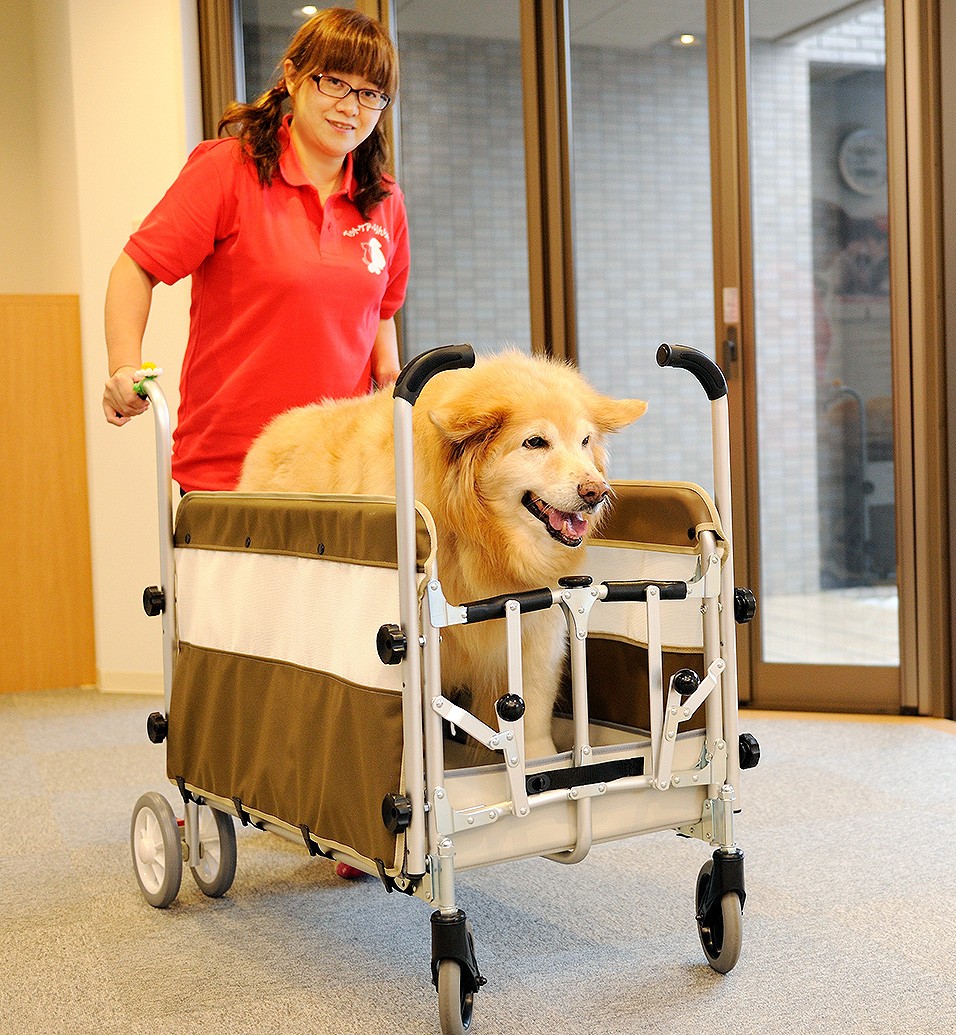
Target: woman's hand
120,400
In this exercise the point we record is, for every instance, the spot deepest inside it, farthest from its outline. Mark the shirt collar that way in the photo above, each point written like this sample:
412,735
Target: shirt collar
291,168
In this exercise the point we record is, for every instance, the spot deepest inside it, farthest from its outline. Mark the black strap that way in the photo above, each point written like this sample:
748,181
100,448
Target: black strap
584,775
244,818
309,843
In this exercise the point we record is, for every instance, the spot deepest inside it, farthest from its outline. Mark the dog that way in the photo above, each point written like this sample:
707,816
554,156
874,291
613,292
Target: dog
510,460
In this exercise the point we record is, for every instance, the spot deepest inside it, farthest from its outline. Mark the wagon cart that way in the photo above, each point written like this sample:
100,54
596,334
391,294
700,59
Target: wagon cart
302,680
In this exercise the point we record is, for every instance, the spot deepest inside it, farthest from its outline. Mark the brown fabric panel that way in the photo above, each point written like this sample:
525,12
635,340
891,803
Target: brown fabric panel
617,683
659,513
298,745
345,528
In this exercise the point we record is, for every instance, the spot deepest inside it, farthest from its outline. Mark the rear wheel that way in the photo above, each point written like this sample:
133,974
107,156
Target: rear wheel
157,850
721,928
215,870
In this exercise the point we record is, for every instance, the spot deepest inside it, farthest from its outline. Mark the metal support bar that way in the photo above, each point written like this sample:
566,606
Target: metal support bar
677,712
655,674
720,420
412,703
167,557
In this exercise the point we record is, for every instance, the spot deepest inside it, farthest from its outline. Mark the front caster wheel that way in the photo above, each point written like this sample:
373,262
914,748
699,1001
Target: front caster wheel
215,869
157,849
455,1007
721,927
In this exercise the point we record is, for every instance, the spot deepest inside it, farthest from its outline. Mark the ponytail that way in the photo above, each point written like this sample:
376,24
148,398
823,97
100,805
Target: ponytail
257,128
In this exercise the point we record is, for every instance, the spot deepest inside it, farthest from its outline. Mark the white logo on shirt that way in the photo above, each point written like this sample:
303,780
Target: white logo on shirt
373,255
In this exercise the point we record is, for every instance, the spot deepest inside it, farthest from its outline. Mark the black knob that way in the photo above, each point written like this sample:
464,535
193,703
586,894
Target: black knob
575,581
749,751
391,644
510,707
157,727
745,606
154,601
685,681
396,813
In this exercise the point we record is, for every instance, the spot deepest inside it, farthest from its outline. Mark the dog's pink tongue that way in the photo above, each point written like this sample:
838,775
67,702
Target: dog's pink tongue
573,526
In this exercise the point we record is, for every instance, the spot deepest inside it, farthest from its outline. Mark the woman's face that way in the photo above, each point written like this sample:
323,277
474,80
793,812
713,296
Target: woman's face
328,128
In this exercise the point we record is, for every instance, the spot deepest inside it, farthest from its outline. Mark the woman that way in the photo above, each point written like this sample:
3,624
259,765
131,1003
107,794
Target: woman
297,244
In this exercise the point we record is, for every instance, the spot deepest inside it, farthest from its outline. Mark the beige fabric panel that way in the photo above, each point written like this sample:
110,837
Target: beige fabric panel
301,746
309,611
681,624
665,515
352,529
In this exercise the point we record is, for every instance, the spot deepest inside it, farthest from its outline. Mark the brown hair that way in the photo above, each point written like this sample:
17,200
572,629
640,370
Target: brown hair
335,40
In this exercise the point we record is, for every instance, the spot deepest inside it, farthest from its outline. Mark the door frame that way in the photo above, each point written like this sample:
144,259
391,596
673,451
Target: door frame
921,683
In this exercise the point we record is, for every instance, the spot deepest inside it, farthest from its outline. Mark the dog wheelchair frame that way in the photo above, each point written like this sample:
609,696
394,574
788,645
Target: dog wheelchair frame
236,679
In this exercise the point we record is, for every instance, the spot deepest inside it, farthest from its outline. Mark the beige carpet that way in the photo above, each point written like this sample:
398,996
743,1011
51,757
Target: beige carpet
849,831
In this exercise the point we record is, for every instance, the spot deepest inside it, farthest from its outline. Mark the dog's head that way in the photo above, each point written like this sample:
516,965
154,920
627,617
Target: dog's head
525,454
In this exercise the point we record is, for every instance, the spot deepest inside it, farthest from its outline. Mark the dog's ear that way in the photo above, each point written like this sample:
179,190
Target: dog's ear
458,426
614,414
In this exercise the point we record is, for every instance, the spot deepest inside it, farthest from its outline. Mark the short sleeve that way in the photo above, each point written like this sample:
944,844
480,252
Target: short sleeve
197,210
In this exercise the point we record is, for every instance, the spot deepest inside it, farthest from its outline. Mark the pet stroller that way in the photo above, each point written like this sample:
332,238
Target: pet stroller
303,692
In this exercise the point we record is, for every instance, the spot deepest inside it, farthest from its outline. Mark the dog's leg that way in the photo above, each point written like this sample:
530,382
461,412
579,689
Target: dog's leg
543,640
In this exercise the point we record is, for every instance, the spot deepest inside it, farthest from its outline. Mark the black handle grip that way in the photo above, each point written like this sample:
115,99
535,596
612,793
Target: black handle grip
494,607
617,591
702,367
417,372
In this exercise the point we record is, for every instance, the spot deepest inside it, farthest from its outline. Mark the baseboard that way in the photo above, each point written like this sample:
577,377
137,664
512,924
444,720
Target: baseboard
130,682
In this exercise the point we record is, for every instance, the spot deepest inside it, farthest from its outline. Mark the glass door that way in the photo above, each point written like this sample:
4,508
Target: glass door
823,357
643,249
462,170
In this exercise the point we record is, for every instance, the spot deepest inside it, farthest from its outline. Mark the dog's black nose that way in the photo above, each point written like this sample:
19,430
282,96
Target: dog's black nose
592,491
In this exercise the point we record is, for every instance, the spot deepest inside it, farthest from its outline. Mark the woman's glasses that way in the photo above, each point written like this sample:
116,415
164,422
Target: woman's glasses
332,87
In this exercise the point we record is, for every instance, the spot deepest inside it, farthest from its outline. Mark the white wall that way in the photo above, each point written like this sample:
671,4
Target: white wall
135,116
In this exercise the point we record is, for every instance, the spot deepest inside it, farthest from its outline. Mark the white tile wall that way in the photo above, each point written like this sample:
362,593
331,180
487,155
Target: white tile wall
643,244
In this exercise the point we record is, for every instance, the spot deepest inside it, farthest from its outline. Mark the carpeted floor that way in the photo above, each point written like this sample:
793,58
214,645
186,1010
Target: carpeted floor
849,831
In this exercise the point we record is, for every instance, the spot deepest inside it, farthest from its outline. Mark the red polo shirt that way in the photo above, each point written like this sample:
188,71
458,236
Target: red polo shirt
287,295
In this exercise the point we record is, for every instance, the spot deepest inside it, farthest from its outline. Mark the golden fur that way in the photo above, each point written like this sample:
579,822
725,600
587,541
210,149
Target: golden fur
485,439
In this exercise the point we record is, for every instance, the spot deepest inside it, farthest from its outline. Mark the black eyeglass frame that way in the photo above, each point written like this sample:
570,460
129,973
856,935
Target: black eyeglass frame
351,89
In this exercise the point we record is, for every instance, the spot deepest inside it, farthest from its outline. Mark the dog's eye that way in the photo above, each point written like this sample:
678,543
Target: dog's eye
587,439
535,442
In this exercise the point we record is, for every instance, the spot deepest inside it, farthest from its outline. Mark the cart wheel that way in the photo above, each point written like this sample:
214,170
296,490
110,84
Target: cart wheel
455,1007
721,930
216,868
157,849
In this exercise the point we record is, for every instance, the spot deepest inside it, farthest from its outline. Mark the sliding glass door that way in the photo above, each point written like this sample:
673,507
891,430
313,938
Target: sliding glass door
823,355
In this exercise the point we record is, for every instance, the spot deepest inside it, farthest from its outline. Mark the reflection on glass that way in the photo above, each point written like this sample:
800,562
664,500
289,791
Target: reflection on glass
818,150
642,221
267,27
463,174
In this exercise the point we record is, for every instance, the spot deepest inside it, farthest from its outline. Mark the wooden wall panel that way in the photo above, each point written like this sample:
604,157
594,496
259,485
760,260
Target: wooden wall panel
46,594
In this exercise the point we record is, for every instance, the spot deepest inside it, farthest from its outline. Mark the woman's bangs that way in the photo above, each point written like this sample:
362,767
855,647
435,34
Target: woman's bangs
362,57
